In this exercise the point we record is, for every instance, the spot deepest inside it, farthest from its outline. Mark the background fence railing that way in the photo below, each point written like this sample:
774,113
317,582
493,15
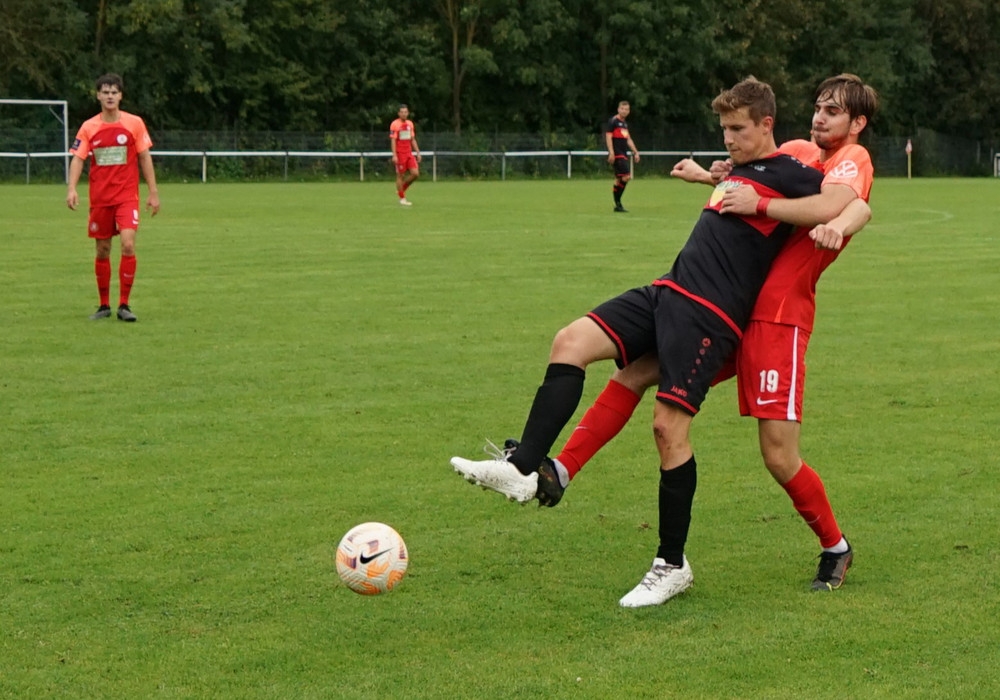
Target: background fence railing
258,165
33,155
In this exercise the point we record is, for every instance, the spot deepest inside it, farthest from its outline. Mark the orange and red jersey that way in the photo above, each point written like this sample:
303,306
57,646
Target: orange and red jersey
789,293
402,132
112,149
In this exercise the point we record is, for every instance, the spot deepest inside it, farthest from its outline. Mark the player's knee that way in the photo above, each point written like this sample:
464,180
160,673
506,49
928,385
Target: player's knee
579,343
639,375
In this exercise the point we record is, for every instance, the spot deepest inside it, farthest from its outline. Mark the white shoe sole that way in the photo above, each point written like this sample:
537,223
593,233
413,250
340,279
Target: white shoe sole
500,476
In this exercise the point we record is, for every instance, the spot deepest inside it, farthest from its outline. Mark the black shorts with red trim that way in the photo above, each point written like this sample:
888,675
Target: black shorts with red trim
691,341
622,165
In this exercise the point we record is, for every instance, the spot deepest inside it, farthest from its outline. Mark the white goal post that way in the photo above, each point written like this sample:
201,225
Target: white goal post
64,120
996,164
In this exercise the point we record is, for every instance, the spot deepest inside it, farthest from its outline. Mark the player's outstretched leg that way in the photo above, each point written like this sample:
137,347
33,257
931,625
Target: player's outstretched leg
498,474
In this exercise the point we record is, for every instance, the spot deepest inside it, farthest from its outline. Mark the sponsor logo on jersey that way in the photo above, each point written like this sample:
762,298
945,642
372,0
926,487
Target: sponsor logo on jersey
845,170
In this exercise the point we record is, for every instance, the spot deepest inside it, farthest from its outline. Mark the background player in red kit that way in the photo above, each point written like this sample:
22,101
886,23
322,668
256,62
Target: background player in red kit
619,142
405,153
114,142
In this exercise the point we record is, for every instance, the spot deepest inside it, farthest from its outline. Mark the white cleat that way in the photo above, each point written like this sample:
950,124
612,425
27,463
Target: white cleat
661,583
498,475
405,202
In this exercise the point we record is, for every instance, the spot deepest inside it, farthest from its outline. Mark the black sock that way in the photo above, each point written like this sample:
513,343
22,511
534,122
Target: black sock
677,488
555,402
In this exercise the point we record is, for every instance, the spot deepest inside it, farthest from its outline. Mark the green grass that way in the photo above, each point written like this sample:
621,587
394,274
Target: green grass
308,357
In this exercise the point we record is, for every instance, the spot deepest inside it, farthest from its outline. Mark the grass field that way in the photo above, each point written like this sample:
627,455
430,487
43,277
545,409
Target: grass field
308,357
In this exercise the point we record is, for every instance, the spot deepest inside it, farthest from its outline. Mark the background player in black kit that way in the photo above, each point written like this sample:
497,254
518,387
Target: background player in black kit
619,143
691,318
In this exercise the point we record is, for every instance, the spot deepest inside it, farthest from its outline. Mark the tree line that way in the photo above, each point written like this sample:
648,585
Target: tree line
484,66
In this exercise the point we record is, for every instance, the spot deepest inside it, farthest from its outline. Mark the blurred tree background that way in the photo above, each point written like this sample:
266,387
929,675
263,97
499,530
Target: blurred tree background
550,67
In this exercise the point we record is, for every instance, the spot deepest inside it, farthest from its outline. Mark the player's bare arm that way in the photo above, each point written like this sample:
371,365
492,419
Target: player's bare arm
610,147
831,236
416,149
689,171
635,151
804,211
75,171
149,174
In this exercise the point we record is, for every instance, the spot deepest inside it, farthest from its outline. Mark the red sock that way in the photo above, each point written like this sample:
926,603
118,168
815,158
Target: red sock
102,270
126,276
599,425
401,193
809,498
406,185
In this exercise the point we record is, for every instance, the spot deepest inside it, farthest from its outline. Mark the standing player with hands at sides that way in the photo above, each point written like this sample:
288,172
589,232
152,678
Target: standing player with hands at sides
619,143
770,362
114,141
405,153
691,319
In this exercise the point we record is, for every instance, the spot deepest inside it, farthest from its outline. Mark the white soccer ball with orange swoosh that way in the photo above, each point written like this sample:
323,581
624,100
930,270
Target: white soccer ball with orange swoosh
371,558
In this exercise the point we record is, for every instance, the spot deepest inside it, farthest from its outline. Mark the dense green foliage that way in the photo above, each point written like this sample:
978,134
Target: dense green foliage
499,65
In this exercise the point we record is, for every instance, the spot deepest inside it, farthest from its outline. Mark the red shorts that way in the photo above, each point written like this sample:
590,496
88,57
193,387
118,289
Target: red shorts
407,162
106,222
771,371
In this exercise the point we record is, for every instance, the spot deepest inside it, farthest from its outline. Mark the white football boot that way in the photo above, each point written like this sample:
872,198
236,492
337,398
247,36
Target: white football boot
498,475
661,583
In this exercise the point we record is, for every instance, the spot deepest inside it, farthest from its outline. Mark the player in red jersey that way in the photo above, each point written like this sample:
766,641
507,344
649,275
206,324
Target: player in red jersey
770,364
690,319
405,153
619,143
114,141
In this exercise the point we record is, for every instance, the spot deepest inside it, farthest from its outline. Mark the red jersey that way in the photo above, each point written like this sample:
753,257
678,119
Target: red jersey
402,132
789,293
113,149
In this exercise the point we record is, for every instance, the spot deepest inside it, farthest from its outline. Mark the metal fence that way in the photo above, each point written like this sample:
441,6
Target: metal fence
33,155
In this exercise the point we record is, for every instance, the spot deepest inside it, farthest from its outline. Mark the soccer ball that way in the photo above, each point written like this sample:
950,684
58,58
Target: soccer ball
371,559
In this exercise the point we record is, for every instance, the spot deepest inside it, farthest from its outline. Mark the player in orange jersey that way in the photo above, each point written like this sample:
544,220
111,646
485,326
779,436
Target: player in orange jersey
405,153
770,364
113,141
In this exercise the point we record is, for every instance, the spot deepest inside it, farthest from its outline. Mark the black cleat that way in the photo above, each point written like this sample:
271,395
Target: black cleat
550,488
103,311
832,568
619,209
125,314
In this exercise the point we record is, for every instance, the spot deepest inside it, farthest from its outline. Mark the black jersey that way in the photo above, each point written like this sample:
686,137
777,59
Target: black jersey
727,257
619,135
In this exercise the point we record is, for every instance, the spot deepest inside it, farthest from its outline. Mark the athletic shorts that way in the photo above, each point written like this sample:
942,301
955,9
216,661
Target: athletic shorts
407,162
691,341
106,222
622,166
771,371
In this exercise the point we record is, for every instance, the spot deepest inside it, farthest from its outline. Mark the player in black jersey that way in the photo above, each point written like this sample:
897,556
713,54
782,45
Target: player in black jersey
691,318
619,143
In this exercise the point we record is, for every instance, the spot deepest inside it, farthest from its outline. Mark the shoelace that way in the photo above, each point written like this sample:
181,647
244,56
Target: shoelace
495,451
827,565
654,575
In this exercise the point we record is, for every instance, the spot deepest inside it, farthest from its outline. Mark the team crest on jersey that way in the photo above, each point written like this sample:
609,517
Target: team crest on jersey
846,170
721,190
122,139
